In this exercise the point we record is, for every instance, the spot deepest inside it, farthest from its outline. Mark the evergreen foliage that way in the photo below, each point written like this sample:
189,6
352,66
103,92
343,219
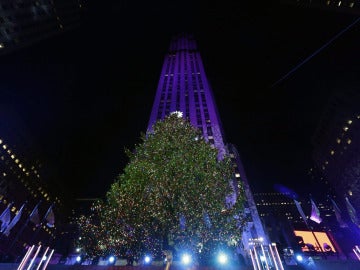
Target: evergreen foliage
171,195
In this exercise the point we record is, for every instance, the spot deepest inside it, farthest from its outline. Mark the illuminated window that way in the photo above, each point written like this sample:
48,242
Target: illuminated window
4,146
20,165
345,128
349,122
350,193
332,152
326,162
338,140
1,45
17,161
339,4
351,4
348,141
13,156
237,175
1,141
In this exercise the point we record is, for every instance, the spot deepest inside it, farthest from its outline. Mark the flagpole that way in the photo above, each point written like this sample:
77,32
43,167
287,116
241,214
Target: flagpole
312,231
41,223
307,224
23,228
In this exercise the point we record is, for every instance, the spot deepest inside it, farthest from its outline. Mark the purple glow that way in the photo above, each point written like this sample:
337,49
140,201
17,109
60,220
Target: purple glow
183,86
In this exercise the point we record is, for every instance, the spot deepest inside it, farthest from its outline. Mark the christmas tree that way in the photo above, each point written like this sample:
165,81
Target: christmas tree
171,196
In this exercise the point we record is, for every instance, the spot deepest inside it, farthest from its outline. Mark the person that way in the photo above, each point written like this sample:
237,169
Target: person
168,258
129,258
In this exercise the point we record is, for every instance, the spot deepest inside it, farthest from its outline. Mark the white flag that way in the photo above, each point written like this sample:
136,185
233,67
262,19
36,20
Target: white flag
50,217
315,213
14,221
5,218
34,216
301,211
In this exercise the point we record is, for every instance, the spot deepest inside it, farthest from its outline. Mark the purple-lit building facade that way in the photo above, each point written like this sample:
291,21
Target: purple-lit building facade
184,87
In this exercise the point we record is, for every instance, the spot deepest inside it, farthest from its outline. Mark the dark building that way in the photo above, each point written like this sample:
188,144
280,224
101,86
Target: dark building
183,87
24,190
24,22
336,148
346,6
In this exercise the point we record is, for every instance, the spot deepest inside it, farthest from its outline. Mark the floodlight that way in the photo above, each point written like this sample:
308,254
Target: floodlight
78,259
186,259
299,258
147,259
111,259
222,258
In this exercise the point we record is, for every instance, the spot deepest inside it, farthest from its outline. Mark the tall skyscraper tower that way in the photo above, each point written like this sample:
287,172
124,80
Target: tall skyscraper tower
183,86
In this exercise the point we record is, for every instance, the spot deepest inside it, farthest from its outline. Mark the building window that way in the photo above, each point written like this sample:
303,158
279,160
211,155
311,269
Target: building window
332,152
348,141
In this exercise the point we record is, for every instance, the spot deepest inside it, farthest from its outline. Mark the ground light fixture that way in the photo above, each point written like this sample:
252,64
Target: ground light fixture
111,259
147,259
186,259
222,258
299,258
78,259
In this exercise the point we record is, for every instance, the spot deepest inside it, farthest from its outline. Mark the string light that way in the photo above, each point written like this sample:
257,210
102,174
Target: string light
171,193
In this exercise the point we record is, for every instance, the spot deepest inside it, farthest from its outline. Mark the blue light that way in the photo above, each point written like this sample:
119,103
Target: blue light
78,259
147,259
111,259
222,258
299,258
186,259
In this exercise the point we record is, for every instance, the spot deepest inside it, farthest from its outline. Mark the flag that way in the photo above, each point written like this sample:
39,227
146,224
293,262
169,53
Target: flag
5,218
34,216
301,211
14,221
338,215
50,217
352,212
315,213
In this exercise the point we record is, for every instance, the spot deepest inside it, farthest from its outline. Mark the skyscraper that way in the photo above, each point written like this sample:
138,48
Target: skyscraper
183,86
336,146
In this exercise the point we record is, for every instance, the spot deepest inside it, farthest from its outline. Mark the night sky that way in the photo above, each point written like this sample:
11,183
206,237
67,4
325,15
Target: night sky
86,95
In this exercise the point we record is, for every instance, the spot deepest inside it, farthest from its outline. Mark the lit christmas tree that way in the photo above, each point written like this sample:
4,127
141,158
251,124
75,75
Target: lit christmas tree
171,195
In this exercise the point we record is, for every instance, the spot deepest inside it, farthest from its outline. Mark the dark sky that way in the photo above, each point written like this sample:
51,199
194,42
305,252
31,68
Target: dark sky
87,94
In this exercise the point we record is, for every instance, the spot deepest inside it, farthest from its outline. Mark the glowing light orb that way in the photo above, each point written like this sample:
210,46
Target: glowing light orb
186,259
111,259
222,258
147,259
